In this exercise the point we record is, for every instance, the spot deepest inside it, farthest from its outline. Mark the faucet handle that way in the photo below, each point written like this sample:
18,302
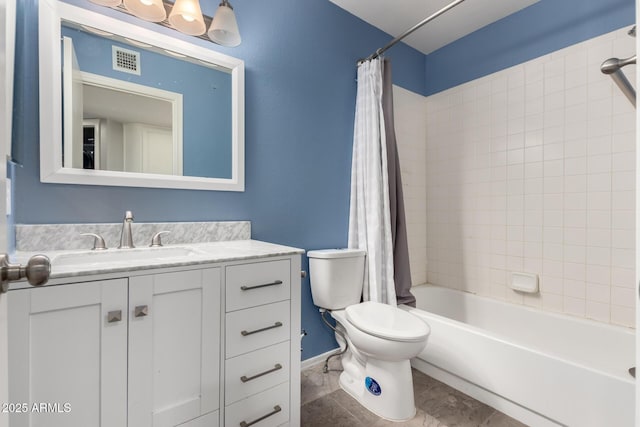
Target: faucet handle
156,241
98,241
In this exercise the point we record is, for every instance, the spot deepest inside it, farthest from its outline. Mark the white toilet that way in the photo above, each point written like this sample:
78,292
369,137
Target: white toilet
381,338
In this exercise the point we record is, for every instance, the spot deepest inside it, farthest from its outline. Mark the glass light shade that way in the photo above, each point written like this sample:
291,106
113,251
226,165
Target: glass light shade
110,3
224,28
149,10
186,17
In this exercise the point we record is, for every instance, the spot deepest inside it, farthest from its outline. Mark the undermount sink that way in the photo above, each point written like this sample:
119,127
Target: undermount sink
123,255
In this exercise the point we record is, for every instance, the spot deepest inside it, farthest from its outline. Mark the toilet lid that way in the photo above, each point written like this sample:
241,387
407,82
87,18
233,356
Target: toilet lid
387,321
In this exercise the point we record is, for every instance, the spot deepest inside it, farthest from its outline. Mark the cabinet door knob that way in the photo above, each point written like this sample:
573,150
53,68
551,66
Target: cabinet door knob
114,316
141,311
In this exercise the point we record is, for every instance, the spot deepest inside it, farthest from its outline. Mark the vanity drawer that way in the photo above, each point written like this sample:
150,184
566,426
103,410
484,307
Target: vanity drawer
272,404
212,419
258,327
254,372
249,285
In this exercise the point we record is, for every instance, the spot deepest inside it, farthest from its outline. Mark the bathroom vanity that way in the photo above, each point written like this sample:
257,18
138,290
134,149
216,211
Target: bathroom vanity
193,335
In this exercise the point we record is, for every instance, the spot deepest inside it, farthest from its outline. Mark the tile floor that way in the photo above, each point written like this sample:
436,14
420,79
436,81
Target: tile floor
325,404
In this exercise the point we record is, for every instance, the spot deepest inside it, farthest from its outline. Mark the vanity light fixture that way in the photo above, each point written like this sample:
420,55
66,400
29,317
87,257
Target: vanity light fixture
224,27
184,16
149,10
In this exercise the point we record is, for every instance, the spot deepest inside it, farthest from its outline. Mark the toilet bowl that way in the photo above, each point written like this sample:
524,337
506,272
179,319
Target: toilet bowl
377,371
380,339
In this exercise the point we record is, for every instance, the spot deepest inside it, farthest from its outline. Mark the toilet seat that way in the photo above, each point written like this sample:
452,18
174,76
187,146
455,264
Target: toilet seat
387,322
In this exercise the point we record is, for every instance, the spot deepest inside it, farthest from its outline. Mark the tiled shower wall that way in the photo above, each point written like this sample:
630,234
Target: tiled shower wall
411,133
532,169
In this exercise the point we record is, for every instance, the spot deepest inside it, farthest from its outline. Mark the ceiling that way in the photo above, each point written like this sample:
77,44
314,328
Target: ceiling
107,103
395,17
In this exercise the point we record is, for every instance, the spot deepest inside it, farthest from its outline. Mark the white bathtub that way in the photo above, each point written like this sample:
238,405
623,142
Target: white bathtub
541,368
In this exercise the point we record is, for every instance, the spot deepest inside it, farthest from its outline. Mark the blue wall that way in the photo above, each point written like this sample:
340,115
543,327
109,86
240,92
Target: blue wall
539,29
206,98
300,61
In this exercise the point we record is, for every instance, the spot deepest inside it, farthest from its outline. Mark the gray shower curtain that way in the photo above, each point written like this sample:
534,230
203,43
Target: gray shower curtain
402,270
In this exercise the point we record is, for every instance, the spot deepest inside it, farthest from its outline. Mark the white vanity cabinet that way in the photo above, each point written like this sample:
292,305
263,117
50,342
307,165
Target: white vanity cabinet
194,346
68,348
258,344
143,350
174,347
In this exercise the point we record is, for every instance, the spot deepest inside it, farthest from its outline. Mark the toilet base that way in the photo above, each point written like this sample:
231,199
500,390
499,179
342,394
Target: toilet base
384,388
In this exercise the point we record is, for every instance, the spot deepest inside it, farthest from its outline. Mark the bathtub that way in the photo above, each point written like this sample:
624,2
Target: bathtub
543,369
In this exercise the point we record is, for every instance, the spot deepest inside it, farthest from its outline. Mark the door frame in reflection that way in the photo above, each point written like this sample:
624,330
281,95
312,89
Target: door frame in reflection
134,89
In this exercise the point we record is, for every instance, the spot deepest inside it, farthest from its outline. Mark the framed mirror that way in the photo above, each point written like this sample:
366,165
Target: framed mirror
122,105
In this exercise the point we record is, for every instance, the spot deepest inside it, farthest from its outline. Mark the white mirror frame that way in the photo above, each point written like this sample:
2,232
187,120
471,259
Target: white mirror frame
51,15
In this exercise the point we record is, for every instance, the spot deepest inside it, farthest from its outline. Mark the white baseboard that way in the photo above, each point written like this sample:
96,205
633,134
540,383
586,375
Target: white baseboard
316,360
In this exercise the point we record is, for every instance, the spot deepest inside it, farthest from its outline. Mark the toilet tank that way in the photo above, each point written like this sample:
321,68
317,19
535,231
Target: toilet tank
336,277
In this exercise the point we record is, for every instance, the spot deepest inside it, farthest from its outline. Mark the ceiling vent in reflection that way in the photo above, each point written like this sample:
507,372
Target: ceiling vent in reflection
125,60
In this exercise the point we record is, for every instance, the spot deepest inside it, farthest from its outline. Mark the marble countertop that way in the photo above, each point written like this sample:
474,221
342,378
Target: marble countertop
63,264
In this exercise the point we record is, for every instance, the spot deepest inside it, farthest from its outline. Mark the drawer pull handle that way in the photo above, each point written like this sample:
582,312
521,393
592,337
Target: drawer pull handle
276,409
277,367
114,316
275,325
248,288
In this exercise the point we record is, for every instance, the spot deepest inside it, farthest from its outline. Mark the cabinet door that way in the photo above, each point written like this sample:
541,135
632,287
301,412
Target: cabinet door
68,355
174,347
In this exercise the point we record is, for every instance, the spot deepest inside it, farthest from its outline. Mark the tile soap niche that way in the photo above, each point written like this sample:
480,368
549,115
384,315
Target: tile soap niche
524,282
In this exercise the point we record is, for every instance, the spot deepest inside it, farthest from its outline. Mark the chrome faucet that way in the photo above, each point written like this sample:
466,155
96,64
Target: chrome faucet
126,238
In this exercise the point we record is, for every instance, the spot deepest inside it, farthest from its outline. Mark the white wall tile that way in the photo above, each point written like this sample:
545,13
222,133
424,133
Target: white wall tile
600,237
598,292
574,306
575,165
574,145
623,277
624,316
552,302
574,288
540,177
411,134
598,311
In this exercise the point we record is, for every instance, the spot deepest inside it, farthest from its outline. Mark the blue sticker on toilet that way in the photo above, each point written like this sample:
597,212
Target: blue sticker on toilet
373,386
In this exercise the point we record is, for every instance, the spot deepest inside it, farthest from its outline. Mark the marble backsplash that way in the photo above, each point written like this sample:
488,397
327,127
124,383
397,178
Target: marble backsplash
51,237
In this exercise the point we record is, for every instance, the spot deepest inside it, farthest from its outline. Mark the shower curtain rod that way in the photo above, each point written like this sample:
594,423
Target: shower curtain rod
380,51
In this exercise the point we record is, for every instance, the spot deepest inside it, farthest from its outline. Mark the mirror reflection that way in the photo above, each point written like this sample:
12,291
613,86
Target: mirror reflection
131,107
